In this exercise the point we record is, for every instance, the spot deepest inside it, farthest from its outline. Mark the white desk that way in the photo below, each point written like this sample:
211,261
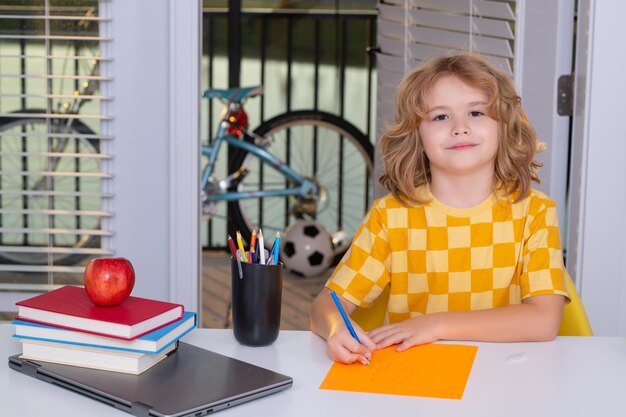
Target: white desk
572,376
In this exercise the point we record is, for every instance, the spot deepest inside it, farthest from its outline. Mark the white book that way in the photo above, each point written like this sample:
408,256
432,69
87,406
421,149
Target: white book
95,358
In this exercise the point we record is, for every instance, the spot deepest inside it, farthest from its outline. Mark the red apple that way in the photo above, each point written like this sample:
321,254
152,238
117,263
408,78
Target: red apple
109,281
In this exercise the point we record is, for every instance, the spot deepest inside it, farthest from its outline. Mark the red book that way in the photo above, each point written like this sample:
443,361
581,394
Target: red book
69,307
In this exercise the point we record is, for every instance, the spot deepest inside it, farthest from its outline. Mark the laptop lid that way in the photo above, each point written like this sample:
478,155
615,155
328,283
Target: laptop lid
190,382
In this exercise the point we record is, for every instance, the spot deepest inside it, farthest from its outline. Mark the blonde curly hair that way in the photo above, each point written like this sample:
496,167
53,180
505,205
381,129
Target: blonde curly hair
406,166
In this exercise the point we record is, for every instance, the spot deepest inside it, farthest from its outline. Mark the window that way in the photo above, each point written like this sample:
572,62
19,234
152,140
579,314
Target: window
54,134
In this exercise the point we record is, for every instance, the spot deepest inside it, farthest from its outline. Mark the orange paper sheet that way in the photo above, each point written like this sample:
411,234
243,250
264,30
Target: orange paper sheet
433,370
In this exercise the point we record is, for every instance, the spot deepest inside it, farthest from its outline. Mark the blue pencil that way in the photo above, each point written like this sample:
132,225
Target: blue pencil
277,249
270,257
344,315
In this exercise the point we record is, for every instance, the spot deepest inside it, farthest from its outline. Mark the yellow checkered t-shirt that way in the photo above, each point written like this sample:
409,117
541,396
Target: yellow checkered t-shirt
438,258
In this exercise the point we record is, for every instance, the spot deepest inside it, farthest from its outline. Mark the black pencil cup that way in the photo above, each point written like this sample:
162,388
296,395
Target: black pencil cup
256,302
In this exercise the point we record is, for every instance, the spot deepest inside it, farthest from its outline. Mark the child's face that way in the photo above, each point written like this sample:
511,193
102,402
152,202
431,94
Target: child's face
459,138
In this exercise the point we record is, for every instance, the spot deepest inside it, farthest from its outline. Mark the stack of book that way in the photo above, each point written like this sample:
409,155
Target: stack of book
64,326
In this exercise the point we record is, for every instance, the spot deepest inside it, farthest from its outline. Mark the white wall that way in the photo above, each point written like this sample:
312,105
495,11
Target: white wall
597,255
155,68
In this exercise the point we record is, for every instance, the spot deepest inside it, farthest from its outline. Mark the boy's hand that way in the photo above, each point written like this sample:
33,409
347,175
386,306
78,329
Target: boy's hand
344,348
415,331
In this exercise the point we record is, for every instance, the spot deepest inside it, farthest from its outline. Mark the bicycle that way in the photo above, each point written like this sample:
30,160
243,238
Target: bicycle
331,183
63,211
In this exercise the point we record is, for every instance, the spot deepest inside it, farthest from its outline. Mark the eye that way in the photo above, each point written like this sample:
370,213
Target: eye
440,117
476,113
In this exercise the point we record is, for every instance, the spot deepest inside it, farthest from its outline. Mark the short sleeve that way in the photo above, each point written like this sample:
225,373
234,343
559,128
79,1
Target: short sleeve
363,272
543,271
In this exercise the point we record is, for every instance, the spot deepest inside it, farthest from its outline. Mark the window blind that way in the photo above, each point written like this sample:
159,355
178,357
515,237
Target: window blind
410,31
54,136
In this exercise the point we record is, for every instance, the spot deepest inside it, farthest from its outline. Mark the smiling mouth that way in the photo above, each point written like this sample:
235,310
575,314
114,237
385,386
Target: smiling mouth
462,146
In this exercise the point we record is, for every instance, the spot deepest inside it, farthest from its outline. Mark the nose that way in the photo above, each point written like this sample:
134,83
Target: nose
460,128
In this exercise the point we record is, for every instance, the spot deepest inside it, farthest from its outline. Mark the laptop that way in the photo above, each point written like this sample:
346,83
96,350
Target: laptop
191,381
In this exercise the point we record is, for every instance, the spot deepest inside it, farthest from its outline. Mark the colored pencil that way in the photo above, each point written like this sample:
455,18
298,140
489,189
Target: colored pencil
344,316
233,249
261,248
231,244
241,248
277,247
253,239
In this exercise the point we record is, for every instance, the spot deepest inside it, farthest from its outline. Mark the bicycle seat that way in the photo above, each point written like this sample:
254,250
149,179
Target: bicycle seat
236,94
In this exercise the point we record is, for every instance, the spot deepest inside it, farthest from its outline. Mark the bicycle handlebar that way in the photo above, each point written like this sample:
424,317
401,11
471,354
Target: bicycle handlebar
233,95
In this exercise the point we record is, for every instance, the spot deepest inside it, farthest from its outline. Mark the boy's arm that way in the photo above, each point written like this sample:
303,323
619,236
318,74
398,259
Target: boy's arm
537,319
326,322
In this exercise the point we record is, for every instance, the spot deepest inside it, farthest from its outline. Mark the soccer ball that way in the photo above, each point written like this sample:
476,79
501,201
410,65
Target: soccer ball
307,249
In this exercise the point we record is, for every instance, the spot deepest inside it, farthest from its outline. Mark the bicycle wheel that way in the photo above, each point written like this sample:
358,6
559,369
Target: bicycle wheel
320,146
40,205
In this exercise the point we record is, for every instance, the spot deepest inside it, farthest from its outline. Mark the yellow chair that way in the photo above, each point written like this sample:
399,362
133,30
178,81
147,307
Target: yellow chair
574,322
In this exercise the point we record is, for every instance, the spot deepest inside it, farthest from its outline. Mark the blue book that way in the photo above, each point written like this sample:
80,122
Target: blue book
153,342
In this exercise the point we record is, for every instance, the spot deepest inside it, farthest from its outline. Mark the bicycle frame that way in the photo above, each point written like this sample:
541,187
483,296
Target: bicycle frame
304,186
